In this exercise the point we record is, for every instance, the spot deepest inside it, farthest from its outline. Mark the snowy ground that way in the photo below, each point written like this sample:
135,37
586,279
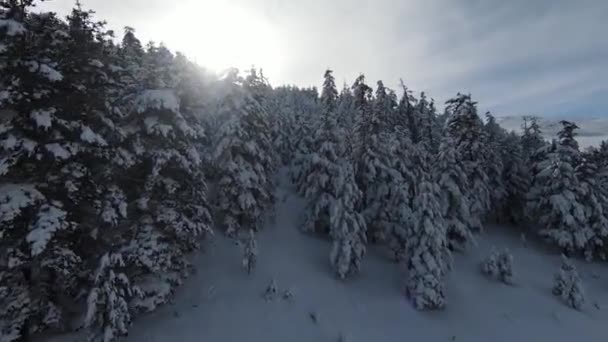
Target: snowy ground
221,303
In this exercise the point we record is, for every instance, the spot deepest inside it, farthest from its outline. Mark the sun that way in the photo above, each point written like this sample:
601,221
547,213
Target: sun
218,35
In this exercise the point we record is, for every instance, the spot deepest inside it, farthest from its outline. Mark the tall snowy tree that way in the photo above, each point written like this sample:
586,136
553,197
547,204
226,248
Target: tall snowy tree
348,228
532,139
428,125
554,198
516,178
406,115
376,175
345,116
323,166
428,257
161,186
593,198
450,175
57,156
244,157
464,130
306,123
332,193
494,166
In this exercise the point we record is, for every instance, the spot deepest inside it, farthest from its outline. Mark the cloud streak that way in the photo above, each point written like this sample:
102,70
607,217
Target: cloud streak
515,57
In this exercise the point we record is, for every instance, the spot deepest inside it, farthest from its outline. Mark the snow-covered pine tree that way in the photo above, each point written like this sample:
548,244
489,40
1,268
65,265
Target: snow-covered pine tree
593,199
329,94
602,184
257,86
505,267
322,170
428,257
108,314
244,159
568,286
345,116
376,176
165,185
532,139
64,122
406,115
421,115
516,178
494,166
331,192
347,226
450,175
499,266
554,199
365,118
306,123
430,125
396,214
25,66
489,266
602,155
465,130
282,121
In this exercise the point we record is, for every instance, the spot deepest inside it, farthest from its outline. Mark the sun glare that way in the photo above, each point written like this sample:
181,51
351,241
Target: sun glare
218,35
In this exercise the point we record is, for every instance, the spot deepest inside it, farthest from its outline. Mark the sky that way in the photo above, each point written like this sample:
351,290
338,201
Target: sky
541,57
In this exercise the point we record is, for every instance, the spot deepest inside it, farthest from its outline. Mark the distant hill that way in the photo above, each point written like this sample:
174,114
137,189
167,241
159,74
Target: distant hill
591,132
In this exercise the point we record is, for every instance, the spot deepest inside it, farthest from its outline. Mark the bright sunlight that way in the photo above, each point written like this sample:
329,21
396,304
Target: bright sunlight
219,35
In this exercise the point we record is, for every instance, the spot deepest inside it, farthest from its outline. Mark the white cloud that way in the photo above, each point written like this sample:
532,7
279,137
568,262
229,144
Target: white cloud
513,56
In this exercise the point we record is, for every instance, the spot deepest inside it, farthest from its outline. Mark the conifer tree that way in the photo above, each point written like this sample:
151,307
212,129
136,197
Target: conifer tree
568,286
454,199
431,124
532,138
60,95
164,181
494,166
516,177
244,159
593,200
379,181
406,117
322,168
554,198
108,314
348,228
345,116
332,193
428,257
464,128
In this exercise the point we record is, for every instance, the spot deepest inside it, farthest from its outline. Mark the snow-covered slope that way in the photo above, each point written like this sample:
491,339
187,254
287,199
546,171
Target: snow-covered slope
592,130
221,303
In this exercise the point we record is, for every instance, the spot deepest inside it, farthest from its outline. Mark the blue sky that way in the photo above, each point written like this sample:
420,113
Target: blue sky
516,57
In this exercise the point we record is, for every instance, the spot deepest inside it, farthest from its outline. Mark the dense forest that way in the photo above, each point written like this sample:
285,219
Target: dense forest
118,160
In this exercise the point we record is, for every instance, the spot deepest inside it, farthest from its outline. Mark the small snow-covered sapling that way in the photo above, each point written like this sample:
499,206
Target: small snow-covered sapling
499,266
271,290
489,266
250,252
505,267
568,286
288,294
